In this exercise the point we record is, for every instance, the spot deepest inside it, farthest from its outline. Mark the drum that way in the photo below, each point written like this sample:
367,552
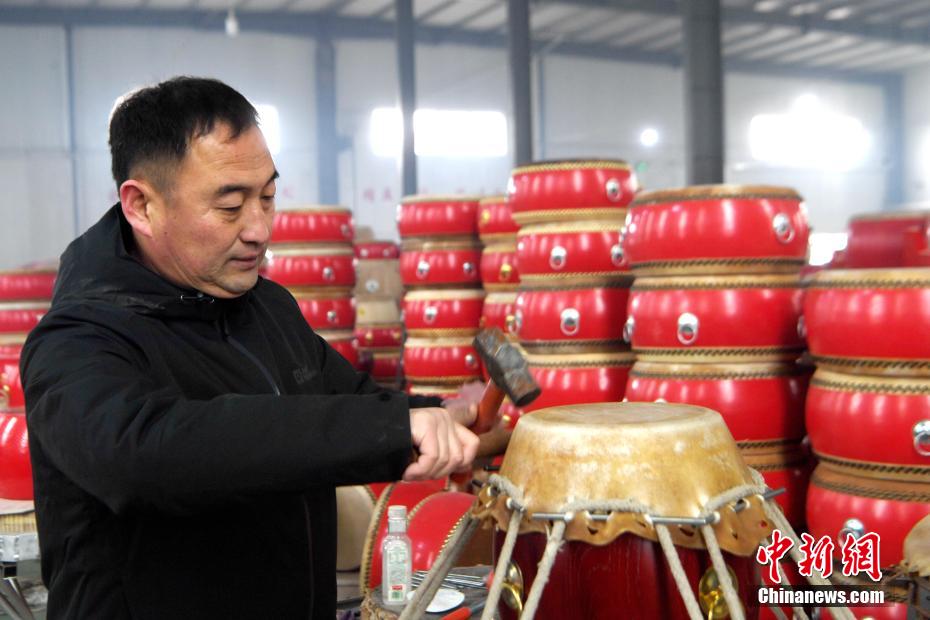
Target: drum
310,265
498,311
916,564
438,263
344,342
372,250
11,387
429,524
874,321
378,323
354,507
320,224
437,216
443,312
499,267
570,190
15,467
381,364
19,317
719,319
441,361
565,319
871,426
407,494
589,474
27,284
839,503
378,277
881,239
785,466
576,248
326,308
569,379
495,220
717,229
758,402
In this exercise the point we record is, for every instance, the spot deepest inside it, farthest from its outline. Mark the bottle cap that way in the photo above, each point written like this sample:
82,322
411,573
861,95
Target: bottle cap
397,512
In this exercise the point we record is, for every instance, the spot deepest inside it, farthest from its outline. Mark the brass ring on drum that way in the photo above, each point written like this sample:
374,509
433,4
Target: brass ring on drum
922,437
710,593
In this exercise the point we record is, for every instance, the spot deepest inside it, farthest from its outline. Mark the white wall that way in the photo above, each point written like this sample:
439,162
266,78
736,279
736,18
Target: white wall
917,132
591,108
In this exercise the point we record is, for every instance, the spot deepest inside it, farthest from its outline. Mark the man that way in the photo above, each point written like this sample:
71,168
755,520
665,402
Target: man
187,428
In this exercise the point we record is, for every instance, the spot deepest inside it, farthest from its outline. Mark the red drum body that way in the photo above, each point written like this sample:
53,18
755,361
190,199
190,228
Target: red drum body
431,521
730,318
437,264
878,240
343,341
499,267
564,318
310,266
839,503
784,467
373,250
717,229
407,494
495,219
15,467
443,312
20,317
377,323
325,309
873,321
381,364
11,387
314,225
758,402
571,189
579,378
26,284
498,311
871,425
579,248
380,336
437,216
634,575
441,361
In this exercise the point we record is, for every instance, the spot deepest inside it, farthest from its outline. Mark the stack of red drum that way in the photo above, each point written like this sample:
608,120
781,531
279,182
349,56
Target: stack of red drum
311,254
868,409
440,265
715,317
25,296
891,239
574,277
499,272
378,326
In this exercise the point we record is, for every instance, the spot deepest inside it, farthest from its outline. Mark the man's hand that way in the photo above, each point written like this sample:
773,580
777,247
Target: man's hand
464,406
444,446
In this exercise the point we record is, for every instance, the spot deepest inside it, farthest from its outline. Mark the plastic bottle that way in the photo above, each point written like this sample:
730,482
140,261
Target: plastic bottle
396,560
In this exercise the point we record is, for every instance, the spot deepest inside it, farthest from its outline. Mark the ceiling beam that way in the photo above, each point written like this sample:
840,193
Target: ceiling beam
343,27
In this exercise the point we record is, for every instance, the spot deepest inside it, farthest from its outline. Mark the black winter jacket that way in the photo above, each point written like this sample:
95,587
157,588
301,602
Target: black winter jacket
185,449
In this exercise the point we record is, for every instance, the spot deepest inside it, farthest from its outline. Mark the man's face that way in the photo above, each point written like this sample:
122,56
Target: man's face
211,227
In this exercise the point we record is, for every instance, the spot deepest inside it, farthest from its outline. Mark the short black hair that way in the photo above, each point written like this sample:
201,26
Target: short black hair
155,125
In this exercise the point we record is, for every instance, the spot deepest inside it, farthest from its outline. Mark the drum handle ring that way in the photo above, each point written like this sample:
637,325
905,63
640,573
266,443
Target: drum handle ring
922,437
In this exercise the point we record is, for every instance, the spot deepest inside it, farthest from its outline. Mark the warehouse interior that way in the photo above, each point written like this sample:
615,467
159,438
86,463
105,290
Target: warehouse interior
606,79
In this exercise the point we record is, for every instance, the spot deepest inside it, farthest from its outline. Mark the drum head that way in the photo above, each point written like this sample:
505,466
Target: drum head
354,506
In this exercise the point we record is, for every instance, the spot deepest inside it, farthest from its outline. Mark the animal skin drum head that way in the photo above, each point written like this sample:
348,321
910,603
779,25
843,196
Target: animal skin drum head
917,549
670,459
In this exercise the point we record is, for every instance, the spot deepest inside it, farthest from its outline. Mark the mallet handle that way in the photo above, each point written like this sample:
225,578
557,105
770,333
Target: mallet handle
488,409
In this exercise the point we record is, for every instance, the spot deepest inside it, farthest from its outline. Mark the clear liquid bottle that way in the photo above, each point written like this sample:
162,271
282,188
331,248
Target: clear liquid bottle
396,560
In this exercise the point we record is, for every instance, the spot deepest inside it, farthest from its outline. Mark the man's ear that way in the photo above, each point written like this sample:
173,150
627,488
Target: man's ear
136,197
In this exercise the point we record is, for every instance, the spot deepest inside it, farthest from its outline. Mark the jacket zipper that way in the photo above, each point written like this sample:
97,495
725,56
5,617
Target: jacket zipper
277,392
241,348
